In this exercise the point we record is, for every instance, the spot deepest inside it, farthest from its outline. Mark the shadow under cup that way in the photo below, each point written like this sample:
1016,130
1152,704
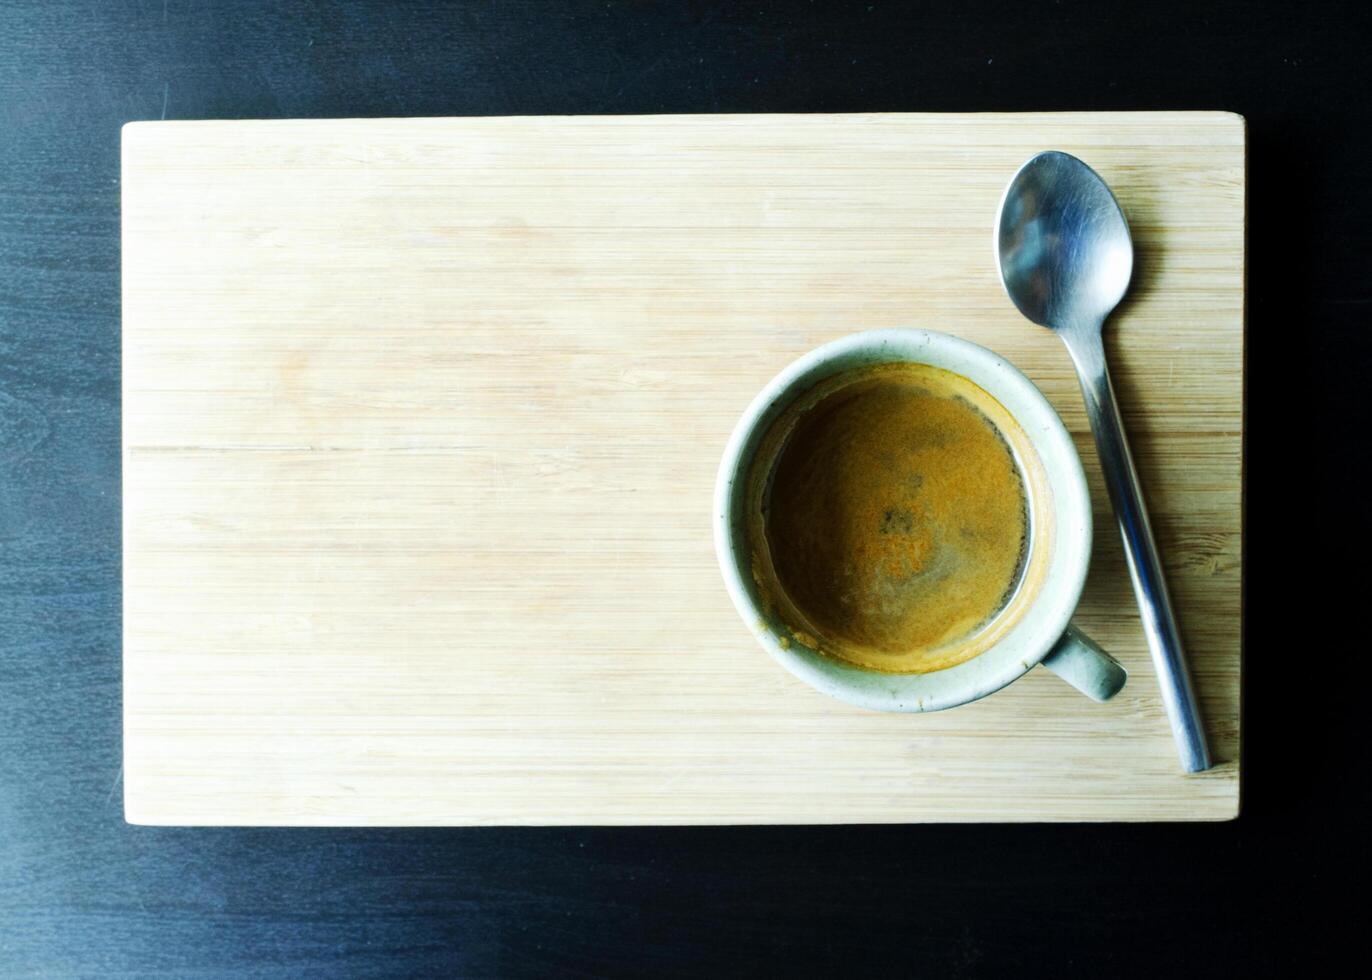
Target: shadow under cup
897,518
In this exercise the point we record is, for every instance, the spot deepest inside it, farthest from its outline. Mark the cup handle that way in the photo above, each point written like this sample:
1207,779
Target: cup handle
1078,660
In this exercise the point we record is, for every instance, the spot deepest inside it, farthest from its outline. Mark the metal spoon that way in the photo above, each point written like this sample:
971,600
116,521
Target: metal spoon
1065,259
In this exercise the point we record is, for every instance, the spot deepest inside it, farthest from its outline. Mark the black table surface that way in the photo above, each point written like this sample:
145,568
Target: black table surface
82,893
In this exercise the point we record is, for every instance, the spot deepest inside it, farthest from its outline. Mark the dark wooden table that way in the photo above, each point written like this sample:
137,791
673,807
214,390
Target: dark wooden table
81,893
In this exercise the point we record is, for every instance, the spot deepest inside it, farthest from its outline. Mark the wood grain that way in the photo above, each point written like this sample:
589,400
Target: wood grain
421,419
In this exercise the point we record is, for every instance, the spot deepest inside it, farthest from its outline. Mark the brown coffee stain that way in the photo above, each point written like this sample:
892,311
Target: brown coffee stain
894,517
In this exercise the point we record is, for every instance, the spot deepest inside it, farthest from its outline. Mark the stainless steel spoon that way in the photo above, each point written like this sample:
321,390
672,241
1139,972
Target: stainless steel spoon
1066,259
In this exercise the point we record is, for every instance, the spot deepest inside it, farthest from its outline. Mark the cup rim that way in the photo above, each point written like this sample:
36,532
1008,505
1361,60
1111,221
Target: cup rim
1030,639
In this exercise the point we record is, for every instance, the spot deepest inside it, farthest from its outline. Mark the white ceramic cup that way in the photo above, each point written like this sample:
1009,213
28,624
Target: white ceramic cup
1041,634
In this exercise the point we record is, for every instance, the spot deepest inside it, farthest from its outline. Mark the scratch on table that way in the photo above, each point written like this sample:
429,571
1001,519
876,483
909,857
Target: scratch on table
118,778
166,91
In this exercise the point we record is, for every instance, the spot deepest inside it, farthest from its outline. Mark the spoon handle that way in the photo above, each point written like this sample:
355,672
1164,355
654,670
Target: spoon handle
1122,482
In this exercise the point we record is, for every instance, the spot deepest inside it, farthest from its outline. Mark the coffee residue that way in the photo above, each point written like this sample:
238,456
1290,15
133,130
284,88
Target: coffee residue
896,516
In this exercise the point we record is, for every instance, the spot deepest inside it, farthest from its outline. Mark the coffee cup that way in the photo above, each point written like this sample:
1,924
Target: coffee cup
865,611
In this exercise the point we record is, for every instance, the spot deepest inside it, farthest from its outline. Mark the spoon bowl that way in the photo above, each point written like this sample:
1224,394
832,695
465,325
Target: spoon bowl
1066,256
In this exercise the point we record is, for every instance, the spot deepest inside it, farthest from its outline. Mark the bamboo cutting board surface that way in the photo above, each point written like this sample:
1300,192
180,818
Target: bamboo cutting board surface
421,423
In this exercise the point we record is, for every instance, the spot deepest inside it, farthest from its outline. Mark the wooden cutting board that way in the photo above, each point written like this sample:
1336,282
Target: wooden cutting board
421,422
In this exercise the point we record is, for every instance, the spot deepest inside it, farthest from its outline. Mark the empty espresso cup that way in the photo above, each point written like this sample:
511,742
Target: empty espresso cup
875,601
